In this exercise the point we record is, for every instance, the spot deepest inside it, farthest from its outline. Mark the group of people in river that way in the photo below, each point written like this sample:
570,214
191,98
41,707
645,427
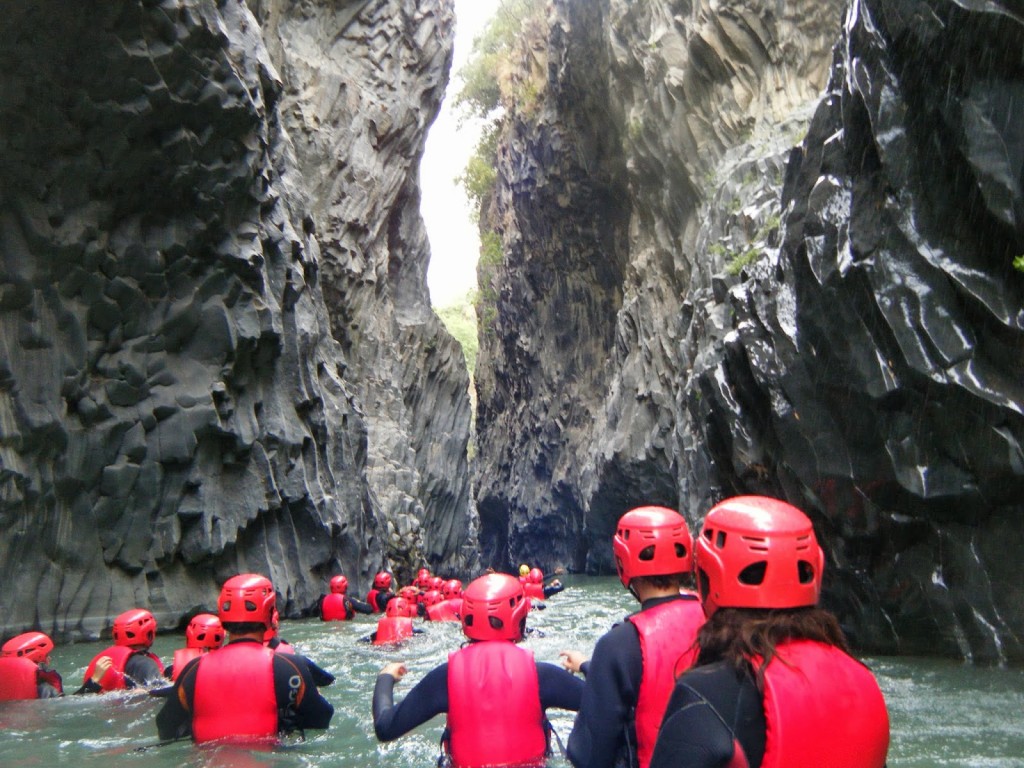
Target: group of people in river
747,670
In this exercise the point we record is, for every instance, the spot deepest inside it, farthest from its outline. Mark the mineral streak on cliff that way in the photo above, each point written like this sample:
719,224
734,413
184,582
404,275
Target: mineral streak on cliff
672,327
218,354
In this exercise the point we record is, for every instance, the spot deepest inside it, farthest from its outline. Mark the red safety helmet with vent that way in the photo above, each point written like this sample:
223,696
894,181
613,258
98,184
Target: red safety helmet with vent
135,627
409,593
436,582
494,608
422,579
452,588
397,607
432,597
30,645
535,576
204,631
758,552
652,541
247,598
382,580
339,585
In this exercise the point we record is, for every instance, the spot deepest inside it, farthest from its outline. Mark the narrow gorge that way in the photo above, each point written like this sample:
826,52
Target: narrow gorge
751,246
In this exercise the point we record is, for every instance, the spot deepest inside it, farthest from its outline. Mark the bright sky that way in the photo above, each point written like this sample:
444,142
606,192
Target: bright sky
454,242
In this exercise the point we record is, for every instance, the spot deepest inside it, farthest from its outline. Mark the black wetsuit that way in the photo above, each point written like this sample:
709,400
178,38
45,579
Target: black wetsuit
604,734
710,706
321,677
553,589
429,697
173,721
139,670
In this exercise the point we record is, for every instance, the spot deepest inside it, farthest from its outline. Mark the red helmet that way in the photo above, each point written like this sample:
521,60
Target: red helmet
204,631
494,608
652,541
382,580
535,576
436,582
31,645
339,585
422,578
247,598
452,588
135,627
758,552
397,607
409,593
432,597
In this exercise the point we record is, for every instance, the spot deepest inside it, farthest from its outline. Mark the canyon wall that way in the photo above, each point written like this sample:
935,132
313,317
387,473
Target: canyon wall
218,351
797,224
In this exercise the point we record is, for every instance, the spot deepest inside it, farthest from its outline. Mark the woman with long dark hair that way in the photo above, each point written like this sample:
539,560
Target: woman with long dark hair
774,684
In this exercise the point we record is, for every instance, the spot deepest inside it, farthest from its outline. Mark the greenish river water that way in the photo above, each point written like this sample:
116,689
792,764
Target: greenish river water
943,713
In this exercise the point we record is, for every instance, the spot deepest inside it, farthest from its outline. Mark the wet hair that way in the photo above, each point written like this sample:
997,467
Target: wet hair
244,627
663,581
736,634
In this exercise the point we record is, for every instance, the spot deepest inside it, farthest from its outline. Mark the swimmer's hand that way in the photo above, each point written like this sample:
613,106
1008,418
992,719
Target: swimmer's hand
396,669
103,665
572,660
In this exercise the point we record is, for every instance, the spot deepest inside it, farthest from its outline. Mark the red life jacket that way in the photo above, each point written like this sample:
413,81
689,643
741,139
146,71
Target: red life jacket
534,590
371,598
183,656
234,697
19,678
392,629
668,633
822,708
446,610
333,608
114,680
494,712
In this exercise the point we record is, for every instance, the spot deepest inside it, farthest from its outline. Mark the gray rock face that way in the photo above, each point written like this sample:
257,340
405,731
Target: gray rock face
876,360
580,372
212,307
853,346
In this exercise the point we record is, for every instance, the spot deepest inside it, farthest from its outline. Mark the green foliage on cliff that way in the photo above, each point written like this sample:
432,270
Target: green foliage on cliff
490,60
1018,263
480,174
459,318
492,79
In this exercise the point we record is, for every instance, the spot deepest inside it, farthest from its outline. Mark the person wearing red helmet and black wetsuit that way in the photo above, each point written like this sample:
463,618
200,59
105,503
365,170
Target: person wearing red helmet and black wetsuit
380,592
245,692
774,685
338,605
128,663
203,634
24,669
629,679
494,693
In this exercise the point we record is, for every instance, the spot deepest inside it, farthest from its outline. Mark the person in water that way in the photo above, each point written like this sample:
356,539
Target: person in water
493,692
774,684
25,671
203,634
338,605
629,679
535,587
245,693
128,663
396,623
380,592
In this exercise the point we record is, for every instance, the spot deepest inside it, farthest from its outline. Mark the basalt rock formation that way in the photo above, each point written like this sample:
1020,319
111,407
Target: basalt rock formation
218,351
840,325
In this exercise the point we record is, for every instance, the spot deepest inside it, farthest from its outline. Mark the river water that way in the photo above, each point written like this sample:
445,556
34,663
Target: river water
943,713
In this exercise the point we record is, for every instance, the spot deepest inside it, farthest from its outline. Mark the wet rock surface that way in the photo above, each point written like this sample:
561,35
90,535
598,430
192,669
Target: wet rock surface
218,352
841,327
